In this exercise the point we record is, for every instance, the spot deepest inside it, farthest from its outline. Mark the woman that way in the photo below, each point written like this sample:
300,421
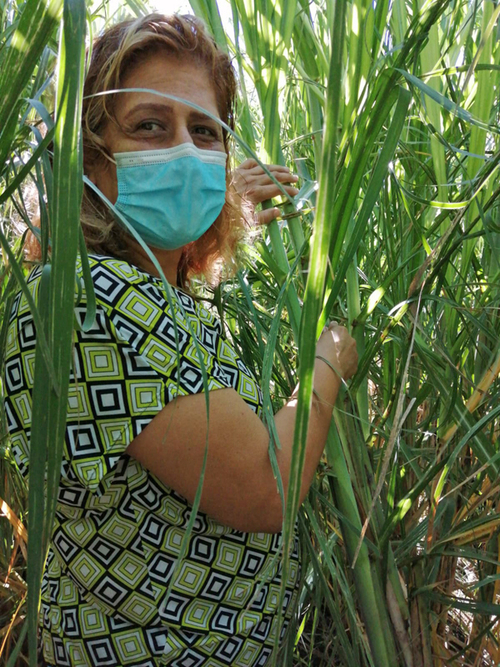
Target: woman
137,425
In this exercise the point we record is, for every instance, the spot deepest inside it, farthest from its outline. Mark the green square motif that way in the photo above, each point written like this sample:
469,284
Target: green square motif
76,651
228,557
191,578
92,621
239,592
197,615
87,570
119,530
129,569
248,653
140,609
68,594
130,646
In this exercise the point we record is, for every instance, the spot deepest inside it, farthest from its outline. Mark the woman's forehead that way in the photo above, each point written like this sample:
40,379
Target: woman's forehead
170,75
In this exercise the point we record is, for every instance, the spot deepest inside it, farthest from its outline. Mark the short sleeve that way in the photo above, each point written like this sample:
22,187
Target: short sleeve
125,369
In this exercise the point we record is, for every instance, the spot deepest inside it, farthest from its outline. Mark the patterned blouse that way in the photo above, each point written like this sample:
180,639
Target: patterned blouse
118,529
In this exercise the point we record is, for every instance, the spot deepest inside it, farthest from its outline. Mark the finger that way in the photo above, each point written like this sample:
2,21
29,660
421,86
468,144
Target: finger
277,170
265,179
263,192
275,167
249,163
267,216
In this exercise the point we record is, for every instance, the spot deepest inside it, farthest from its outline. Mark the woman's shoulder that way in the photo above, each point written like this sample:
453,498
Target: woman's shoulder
106,270
120,285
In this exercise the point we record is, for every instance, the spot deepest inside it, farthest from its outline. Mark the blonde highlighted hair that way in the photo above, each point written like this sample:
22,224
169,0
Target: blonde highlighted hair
115,52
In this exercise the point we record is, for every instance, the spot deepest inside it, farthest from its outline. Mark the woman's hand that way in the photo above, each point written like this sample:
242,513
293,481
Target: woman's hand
253,184
339,349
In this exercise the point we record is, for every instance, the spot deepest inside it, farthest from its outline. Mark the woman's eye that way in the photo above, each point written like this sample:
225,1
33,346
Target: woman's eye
150,126
205,131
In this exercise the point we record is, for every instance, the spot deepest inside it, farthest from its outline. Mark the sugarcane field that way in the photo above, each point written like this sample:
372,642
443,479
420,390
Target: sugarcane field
250,333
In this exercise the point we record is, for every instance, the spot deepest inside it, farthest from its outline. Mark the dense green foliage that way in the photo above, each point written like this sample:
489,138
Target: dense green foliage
389,113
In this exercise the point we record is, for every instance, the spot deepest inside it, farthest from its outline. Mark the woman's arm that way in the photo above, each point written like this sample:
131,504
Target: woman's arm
239,489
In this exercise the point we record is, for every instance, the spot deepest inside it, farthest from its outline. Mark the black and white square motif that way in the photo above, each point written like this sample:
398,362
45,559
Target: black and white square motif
153,530
160,568
149,495
230,373
136,546
263,657
200,523
100,518
156,639
276,542
103,551
190,377
209,339
129,332
126,508
261,631
54,588
154,294
99,330
146,589
216,586
60,652
21,464
107,286
243,368
66,548
188,637
165,331
117,623
229,650
172,608
286,600
237,536
187,302
27,333
83,440
102,653
110,591
70,625
202,549
45,614
137,365
15,306
12,421
259,602
252,563
14,377
283,630
220,375
189,658
224,621
138,425
108,400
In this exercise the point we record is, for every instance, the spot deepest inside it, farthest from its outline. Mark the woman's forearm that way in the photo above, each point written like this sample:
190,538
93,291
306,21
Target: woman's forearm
326,387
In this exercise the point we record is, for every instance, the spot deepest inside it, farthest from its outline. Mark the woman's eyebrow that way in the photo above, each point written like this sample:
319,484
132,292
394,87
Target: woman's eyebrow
198,115
149,106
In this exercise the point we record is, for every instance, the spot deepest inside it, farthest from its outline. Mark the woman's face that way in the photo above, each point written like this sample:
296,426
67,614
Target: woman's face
145,121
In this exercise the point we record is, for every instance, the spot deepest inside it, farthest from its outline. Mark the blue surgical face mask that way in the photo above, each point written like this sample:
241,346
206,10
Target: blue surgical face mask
171,196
